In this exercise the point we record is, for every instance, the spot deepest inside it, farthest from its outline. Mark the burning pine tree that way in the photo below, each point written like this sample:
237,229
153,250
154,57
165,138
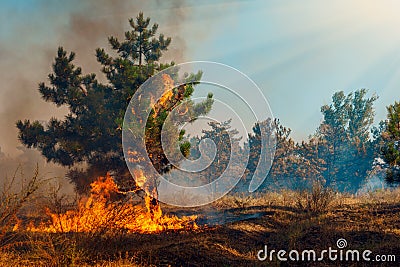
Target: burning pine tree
161,129
92,130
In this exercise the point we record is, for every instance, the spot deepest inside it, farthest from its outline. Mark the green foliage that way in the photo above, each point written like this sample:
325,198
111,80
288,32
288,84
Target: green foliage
91,131
391,138
226,142
339,155
227,145
164,118
287,169
344,135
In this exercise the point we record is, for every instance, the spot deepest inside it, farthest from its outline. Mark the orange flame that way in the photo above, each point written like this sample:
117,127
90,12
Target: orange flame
169,84
102,212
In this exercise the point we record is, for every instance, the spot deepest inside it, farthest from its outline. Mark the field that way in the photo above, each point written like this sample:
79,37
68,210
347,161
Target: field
231,232
281,118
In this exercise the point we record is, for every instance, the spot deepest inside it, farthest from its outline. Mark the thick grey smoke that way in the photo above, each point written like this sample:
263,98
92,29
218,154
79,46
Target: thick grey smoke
28,47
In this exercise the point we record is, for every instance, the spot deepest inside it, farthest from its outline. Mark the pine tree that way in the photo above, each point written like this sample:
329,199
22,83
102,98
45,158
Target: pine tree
391,138
91,132
348,150
284,169
227,144
228,160
340,154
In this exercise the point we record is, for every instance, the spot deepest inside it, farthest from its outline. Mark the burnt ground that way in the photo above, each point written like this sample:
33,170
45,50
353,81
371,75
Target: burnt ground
229,237
237,241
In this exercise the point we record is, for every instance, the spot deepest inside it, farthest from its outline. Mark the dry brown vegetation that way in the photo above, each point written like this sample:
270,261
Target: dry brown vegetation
233,229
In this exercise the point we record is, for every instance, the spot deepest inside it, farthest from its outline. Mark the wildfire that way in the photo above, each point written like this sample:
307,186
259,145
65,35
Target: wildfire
168,86
108,209
104,211
168,83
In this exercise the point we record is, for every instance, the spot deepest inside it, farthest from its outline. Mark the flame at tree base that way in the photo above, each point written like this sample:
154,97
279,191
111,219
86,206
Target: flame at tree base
101,213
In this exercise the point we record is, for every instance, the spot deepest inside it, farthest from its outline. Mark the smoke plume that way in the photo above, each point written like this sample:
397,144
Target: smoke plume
29,42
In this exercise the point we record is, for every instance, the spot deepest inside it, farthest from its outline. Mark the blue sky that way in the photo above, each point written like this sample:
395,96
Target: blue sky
298,52
301,52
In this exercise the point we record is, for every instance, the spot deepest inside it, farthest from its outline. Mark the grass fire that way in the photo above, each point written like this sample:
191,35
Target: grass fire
166,164
103,212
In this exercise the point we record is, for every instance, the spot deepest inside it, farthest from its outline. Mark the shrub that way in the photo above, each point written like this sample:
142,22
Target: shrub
316,199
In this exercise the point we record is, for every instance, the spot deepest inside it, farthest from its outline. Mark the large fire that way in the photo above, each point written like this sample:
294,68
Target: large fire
108,209
103,212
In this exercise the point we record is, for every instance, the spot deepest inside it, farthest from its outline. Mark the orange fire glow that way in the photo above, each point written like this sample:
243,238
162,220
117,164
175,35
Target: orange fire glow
108,209
169,84
101,212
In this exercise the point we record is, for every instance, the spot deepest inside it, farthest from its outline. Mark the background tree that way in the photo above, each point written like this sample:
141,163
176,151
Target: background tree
339,155
270,128
227,143
91,131
391,137
344,134
287,167
296,165
228,156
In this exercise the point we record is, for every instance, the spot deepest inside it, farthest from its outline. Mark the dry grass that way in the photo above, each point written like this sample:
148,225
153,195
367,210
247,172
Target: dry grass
15,192
368,221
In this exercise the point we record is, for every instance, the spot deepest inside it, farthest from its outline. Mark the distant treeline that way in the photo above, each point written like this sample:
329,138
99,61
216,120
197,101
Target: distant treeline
341,153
